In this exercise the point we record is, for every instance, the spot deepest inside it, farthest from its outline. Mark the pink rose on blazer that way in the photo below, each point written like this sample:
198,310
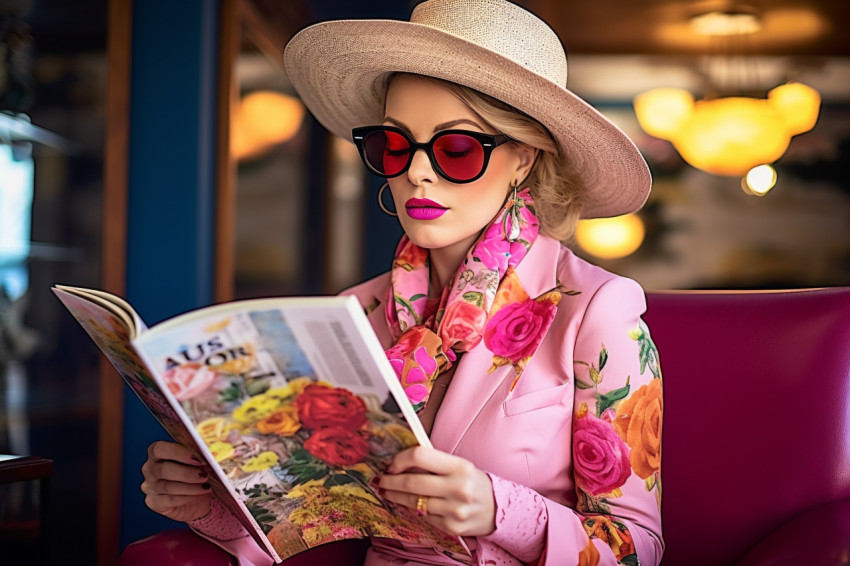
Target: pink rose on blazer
516,329
601,457
462,324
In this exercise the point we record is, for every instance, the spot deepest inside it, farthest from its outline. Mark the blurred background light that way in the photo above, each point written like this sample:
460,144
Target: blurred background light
611,238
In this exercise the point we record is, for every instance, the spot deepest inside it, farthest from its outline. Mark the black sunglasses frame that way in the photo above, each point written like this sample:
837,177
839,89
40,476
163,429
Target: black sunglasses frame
488,142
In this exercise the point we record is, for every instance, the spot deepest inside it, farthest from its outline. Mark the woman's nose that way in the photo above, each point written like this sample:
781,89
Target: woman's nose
420,170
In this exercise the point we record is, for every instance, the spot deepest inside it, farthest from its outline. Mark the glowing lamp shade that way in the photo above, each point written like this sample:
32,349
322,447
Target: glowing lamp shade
729,135
611,238
798,104
662,110
263,119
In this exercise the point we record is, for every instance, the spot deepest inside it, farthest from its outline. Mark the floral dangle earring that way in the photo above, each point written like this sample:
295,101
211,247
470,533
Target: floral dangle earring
512,232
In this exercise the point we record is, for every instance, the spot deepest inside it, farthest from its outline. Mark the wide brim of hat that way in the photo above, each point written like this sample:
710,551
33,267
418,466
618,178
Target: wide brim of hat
340,68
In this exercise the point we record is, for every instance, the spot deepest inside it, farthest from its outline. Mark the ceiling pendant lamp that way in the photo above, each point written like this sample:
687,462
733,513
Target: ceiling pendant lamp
729,134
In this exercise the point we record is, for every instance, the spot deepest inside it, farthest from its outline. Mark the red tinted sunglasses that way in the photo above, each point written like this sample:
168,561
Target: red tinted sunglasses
459,156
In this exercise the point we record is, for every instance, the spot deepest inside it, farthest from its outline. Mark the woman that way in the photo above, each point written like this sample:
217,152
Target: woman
541,390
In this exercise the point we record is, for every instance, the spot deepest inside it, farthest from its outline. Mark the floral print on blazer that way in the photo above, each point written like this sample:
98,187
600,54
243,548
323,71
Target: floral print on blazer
582,427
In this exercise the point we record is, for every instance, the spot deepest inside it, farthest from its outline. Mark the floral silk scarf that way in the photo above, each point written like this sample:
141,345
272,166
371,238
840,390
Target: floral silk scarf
485,301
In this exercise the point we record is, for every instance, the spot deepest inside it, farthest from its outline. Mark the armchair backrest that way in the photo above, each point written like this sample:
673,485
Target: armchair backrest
757,413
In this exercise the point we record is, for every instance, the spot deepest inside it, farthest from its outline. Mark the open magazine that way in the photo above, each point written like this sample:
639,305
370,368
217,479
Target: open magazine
292,403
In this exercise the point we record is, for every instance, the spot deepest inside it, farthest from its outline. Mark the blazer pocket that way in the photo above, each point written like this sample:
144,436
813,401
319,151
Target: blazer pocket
549,397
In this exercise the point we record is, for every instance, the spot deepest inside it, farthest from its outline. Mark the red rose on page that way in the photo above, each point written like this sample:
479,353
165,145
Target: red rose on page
320,406
337,446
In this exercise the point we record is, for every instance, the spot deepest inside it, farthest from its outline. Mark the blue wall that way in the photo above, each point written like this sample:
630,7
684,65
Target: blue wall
171,188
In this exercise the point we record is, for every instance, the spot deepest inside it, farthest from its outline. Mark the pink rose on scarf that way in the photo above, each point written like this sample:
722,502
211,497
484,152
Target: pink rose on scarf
416,377
424,361
401,349
493,251
600,455
462,325
418,374
516,329
189,380
416,393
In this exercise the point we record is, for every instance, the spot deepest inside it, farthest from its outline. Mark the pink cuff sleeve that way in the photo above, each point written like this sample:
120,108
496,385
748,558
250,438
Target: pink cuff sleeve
219,524
521,519
223,529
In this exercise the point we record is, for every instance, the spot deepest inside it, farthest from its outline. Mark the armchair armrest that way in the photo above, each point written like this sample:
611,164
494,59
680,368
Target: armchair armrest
175,547
182,547
818,537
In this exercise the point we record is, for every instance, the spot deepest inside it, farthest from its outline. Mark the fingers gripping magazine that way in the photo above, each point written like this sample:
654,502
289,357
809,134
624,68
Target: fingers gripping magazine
292,403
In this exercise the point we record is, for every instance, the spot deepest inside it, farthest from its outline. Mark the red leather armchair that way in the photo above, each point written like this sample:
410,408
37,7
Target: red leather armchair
756,435
756,445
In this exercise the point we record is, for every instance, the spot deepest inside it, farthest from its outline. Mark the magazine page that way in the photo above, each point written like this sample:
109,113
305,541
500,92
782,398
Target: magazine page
294,398
108,328
114,304
110,334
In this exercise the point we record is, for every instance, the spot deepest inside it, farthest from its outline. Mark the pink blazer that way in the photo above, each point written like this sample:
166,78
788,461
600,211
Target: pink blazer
545,434
526,435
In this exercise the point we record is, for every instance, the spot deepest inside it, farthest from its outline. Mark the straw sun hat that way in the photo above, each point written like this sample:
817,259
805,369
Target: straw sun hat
340,71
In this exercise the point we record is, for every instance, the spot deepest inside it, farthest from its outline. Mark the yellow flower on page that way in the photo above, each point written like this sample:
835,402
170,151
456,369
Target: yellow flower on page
222,451
292,388
300,383
307,489
255,409
212,429
350,490
286,392
260,462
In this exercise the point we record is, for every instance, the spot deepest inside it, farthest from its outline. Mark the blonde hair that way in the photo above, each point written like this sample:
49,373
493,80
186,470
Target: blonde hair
557,194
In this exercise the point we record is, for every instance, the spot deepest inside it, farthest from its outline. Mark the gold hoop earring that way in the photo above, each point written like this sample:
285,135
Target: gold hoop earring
381,204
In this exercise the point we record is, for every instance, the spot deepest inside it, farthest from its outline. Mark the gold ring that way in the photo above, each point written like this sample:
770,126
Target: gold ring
422,505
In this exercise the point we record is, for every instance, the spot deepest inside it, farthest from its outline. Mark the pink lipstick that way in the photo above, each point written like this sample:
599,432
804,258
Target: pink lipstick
424,209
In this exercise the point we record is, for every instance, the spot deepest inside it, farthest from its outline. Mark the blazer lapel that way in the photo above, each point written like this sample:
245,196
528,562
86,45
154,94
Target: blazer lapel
538,270
472,387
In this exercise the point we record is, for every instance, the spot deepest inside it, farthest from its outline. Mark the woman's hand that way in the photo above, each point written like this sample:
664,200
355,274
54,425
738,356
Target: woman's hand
176,482
460,496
